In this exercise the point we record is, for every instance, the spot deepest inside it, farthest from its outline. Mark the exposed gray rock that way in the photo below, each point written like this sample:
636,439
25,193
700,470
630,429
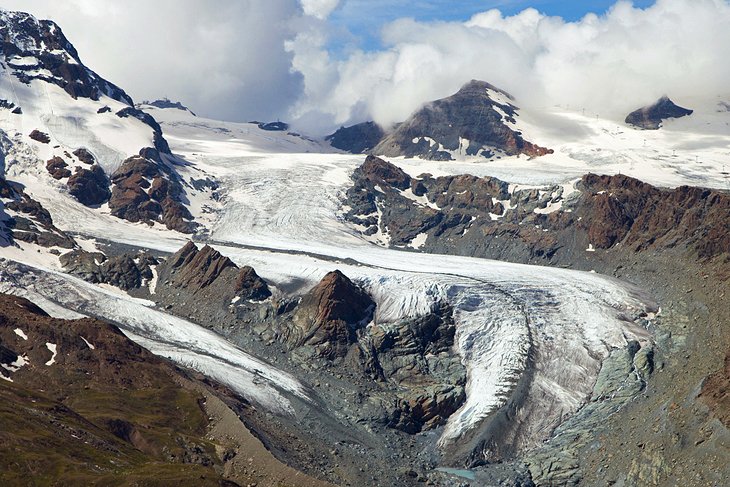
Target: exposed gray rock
357,139
651,117
126,271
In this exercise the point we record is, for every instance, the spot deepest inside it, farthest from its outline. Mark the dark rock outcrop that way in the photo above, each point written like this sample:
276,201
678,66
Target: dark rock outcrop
329,316
469,114
39,136
85,156
357,139
126,271
652,116
89,186
57,168
30,221
134,198
479,216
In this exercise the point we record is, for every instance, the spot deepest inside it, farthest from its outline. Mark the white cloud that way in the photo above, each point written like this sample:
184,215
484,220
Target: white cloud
224,59
248,59
608,64
319,8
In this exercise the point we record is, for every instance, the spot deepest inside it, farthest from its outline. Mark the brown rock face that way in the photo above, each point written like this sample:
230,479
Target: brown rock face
645,217
203,267
208,274
89,186
377,171
39,136
133,198
85,156
329,315
57,167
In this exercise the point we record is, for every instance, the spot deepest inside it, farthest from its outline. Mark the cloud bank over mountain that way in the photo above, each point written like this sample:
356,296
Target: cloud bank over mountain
241,60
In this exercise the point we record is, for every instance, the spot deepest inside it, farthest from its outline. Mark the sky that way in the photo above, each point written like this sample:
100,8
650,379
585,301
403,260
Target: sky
321,64
363,18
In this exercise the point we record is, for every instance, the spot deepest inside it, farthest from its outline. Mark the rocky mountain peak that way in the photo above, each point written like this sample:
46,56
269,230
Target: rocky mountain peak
479,88
329,314
651,117
38,49
478,120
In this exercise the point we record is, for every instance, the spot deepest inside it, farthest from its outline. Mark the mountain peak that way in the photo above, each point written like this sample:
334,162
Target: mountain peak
38,50
651,116
478,120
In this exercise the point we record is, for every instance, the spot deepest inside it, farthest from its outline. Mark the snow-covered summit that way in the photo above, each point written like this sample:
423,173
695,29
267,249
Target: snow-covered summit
38,49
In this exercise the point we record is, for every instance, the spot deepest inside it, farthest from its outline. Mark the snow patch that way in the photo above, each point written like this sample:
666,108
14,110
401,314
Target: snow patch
52,347
419,241
20,333
88,344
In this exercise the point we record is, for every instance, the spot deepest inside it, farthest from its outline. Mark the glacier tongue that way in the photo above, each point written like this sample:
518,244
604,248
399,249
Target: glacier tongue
175,338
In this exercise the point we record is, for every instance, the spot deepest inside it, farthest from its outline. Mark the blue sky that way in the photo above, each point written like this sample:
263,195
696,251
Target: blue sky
364,18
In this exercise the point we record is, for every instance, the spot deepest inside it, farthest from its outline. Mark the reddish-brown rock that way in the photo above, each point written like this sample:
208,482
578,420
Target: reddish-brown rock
329,315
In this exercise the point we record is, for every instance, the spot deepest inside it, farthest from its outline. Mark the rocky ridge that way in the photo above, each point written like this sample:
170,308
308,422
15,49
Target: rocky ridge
487,217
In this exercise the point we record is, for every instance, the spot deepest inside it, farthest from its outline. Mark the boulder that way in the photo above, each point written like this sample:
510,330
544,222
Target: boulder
57,168
39,136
